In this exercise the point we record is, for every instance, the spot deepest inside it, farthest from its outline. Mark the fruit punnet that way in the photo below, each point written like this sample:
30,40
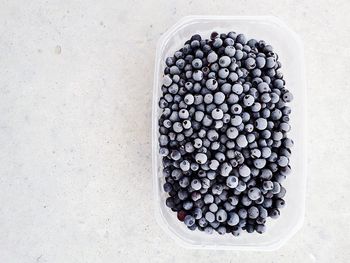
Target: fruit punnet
224,133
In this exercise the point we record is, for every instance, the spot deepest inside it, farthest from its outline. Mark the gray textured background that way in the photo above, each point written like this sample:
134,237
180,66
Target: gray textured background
75,130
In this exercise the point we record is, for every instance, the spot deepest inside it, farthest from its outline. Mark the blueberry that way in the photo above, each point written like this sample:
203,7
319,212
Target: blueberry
224,61
228,207
202,222
250,63
274,98
253,212
266,152
270,62
201,158
169,61
212,57
242,141
185,165
195,43
241,186
284,127
221,230
197,75
260,229
216,145
208,199
183,114
175,155
243,213
208,230
244,171
236,231
287,97
265,98
217,114
194,166
232,35
197,213
233,219
255,153
186,124
225,169
163,140
267,185
266,174
263,87
199,54
170,202
211,175
223,73
236,120
276,188
167,187
189,220
274,213
197,143
282,161
210,217
230,50
217,189
217,42
213,207
232,132
214,164
193,227
261,124
221,215
182,194
278,83
229,41
184,182
250,228
241,39
187,205
246,201
282,192
197,63
260,62
259,163
233,76
215,224
211,84
236,109
254,193
196,184
167,81
238,54
248,100
279,203
205,183
237,89
232,181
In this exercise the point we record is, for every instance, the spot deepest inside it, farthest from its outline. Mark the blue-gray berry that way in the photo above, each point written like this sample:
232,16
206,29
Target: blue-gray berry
233,219
210,217
189,220
237,89
244,171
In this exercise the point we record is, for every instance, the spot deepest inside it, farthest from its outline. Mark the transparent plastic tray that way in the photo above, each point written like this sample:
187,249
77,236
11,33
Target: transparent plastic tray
290,50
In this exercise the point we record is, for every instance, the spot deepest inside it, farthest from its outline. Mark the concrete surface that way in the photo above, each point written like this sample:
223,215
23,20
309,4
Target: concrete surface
75,115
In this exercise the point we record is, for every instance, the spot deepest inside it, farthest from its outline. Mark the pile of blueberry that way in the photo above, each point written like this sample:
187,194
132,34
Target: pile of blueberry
223,133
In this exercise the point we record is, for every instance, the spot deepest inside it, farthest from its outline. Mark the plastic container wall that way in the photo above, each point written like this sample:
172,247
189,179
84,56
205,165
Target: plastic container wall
289,48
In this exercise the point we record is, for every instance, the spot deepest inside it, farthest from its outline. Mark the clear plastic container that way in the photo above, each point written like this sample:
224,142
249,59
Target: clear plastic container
290,50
